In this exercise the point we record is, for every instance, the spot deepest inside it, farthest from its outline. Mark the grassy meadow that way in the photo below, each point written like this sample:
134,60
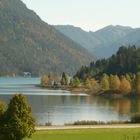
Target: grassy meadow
86,134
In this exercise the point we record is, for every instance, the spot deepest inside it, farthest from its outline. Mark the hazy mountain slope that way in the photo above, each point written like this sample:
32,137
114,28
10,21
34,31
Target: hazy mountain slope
102,43
107,49
29,44
112,33
78,35
132,38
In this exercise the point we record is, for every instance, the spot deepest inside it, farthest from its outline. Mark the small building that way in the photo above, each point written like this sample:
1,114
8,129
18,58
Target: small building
27,74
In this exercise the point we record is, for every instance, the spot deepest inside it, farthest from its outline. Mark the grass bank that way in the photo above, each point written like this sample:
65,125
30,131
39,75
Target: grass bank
86,134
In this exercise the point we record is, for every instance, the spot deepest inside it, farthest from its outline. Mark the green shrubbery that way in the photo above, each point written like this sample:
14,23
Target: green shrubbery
97,122
135,118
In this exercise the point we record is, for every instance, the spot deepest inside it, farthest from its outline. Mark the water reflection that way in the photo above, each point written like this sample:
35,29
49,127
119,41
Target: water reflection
61,107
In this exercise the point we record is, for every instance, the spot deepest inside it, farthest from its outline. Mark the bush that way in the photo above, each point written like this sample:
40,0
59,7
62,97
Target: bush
97,122
48,124
135,118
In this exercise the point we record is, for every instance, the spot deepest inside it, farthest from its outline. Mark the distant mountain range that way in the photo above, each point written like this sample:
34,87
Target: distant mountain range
28,44
105,42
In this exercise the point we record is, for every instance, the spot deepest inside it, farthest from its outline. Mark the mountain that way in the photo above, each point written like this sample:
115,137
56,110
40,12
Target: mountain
131,38
104,42
111,33
78,35
28,44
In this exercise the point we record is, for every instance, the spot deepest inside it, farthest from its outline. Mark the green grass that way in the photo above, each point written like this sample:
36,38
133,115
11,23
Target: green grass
85,134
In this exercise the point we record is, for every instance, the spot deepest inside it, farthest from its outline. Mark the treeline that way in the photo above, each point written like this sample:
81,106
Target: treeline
54,80
128,84
126,60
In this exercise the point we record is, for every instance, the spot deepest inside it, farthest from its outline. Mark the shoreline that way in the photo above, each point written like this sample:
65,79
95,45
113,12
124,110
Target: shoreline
106,94
71,127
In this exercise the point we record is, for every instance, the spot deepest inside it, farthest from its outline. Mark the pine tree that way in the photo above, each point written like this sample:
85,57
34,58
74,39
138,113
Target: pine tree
76,82
64,79
2,122
19,121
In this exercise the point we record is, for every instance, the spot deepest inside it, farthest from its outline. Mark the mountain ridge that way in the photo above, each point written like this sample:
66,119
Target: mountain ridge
27,43
103,42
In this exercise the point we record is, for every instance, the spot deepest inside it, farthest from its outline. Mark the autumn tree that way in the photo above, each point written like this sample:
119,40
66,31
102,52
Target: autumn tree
44,81
114,82
87,83
54,77
2,108
125,86
94,86
105,85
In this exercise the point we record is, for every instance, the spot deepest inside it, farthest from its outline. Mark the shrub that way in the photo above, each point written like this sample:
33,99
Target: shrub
135,118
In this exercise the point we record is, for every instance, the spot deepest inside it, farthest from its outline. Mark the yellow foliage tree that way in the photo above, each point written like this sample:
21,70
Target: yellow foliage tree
105,85
87,83
125,86
95,87
44,81
114,82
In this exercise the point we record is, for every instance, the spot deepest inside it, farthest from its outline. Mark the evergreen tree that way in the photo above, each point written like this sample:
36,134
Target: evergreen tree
71,82
64,79
76,82
18,118
2,122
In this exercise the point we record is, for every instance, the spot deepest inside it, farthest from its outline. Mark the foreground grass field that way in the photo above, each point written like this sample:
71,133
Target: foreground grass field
86,134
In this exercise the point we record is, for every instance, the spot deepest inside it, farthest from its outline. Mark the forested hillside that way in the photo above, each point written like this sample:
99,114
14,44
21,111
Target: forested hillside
27,44
125,61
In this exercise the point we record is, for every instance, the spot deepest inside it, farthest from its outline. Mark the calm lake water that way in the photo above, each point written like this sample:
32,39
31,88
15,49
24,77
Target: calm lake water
60,107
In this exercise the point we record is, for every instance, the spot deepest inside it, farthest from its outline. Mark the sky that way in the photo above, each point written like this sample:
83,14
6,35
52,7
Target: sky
87,14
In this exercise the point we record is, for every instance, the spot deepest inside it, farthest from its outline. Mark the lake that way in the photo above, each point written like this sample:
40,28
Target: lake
60,107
